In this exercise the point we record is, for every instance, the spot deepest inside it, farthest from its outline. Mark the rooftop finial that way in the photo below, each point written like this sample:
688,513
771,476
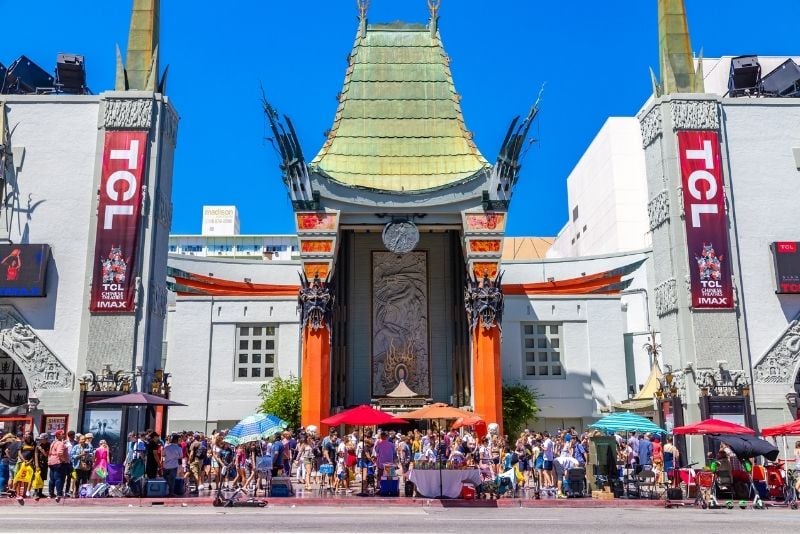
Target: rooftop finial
363,6
678,74
433,7
141,59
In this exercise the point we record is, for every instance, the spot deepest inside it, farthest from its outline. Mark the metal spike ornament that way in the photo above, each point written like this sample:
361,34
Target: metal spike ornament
140,71
678,74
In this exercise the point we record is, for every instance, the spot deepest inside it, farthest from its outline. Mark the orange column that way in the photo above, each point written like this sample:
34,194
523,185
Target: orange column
315,379
487,392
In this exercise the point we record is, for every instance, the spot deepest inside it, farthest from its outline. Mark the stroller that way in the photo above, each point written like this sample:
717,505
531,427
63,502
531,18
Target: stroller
745,448
776,483
574,483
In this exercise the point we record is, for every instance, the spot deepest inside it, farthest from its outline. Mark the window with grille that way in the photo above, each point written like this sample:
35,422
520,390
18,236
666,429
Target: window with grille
13,386
255,352
542,350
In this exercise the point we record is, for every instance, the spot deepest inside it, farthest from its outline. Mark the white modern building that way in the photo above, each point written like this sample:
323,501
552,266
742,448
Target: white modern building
220,238
607,195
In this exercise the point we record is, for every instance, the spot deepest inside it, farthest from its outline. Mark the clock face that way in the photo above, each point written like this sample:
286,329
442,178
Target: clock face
400,237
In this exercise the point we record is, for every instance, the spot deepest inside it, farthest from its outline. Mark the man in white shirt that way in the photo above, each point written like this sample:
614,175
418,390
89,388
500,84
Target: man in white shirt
563,463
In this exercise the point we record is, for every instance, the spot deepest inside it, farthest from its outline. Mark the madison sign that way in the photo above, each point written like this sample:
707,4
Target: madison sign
706,225
118,216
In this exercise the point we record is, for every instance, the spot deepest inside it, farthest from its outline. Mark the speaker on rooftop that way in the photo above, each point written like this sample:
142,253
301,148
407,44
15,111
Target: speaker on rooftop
26,77
783,81
70,74
745,75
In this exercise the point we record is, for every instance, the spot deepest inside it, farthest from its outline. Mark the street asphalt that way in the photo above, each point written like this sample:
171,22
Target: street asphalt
316,520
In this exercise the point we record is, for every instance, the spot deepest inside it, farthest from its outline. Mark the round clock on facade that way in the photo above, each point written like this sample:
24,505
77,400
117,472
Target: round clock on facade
400,237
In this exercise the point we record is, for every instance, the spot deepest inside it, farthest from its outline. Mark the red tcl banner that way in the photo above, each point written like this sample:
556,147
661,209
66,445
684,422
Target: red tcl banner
706,225
118,215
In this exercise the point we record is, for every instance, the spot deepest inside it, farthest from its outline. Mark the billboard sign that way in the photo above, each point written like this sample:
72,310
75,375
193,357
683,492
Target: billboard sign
23,270
706,221
786,258
118,216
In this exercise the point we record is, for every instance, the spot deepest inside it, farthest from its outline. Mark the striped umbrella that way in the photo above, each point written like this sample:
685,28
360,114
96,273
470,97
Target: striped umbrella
254,428
626,422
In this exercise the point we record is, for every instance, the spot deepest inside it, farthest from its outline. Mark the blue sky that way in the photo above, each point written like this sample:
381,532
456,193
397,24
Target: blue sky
593,56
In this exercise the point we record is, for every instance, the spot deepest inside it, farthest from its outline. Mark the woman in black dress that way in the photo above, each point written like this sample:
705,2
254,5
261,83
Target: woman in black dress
153,456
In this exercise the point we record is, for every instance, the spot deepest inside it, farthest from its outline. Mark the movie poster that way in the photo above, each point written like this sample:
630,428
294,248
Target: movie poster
706,221
118,218
105,424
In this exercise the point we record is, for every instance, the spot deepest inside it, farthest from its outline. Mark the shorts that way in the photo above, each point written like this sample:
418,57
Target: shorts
196,467
547,465
342,475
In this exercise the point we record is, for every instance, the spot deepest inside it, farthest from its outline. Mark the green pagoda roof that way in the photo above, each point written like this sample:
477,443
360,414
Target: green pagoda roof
398,127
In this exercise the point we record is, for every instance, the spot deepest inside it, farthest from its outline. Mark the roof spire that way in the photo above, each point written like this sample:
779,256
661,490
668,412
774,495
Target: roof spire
433,7
363,6
141,59
678,74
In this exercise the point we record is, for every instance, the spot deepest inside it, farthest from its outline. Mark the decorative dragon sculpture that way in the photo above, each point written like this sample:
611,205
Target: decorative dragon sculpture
315,302
484,301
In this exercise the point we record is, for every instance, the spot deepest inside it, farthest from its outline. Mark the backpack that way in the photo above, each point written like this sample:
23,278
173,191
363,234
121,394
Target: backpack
201,453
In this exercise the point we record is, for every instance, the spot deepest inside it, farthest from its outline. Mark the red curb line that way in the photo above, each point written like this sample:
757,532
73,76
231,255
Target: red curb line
352,502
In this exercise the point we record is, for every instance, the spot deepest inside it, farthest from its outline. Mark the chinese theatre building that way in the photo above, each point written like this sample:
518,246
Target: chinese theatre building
87,182
400,222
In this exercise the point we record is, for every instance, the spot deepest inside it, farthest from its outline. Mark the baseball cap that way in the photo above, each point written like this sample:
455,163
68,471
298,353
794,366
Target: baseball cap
43,436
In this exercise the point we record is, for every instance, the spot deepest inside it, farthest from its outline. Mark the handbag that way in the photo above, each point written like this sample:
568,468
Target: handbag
24,474
224,470
37,483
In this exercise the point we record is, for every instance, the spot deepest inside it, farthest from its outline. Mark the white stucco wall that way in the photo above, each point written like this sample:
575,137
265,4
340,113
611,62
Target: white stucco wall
52,205
593,355
202,347
760,135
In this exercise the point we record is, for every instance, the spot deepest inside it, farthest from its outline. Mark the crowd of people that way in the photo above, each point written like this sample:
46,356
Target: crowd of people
61,463
67,464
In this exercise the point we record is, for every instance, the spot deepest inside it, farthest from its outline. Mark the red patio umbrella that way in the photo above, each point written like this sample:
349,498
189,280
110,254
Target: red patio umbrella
467,421
792,428
713,426
362,416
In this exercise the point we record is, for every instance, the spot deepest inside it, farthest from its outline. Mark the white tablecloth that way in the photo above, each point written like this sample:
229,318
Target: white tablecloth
427,481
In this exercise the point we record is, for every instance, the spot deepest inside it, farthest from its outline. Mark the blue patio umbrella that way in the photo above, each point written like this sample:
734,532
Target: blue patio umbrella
626,422
254,428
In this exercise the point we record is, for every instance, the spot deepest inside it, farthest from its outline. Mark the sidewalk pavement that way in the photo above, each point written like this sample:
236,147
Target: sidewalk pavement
350,501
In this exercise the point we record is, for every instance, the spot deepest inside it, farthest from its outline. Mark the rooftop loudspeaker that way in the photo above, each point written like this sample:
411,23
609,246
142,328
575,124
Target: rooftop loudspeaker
745,76
783,81
70,74
26,77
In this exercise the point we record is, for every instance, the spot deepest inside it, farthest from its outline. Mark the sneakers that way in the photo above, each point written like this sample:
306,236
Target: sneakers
200,487
58,499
